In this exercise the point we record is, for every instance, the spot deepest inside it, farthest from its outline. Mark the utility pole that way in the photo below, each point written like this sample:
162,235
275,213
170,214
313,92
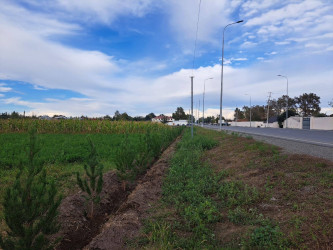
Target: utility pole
199,113
192,106
269,98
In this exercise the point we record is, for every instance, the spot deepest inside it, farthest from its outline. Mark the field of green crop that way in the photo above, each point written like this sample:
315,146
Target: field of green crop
63,146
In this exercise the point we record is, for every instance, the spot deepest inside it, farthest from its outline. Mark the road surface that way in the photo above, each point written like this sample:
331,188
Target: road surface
317,143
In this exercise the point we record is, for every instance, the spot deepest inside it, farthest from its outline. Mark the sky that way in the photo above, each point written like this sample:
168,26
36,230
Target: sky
93,57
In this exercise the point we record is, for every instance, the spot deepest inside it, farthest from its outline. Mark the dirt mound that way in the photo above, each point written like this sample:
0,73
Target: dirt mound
76,230
127,221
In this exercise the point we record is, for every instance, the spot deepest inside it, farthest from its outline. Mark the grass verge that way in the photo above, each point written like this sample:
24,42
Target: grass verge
226,191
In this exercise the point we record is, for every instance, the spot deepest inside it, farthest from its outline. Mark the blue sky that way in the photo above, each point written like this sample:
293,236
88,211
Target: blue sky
88,57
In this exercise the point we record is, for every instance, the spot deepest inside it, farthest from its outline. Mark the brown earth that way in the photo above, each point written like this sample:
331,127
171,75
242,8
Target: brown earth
76,229
126,223
297,190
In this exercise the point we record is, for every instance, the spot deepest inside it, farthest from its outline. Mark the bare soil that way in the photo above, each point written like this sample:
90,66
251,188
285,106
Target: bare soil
126,223
119,215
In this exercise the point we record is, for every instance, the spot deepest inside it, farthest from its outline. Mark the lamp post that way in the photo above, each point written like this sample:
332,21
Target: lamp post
203,101
222,71
286,101
250,111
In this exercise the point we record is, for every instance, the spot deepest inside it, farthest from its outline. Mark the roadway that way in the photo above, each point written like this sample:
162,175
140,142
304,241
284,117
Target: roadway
318,143
317,137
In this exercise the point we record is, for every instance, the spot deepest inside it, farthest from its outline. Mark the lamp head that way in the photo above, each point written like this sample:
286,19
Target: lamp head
240,21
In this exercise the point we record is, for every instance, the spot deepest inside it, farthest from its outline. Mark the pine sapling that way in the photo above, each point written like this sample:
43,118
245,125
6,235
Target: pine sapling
93,182
124,160
30,206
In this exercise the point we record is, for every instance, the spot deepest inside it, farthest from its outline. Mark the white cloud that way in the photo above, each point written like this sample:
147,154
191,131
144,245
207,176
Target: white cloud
248,44
282,43
3,88
214,15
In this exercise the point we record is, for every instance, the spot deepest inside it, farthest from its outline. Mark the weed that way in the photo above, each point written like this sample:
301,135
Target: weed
267,237
234,193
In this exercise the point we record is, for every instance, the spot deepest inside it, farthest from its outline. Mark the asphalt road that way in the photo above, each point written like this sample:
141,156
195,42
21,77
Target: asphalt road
317,137
318,143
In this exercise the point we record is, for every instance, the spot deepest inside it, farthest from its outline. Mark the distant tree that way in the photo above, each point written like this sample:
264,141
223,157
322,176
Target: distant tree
150,116
138,118
4,116
320,115
116,116
238,114
308,104
107,117
210,119
15,115
125,117
179,114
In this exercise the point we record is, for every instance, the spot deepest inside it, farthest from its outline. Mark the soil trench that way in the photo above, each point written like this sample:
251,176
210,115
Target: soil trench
127,221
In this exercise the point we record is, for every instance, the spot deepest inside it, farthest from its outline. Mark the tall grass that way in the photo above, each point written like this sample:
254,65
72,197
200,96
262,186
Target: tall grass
75,126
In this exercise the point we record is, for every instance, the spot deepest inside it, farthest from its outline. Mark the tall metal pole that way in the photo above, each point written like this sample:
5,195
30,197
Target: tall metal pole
250,113
203,101
269,97
287,101
203,105
192,106
222,71
199,112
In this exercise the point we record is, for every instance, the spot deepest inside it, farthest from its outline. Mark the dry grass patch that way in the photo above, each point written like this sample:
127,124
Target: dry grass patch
295,193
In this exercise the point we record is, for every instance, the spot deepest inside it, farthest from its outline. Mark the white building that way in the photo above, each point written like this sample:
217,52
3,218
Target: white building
161,118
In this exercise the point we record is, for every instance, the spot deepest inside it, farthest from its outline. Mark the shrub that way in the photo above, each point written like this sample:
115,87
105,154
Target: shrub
93,183
30,206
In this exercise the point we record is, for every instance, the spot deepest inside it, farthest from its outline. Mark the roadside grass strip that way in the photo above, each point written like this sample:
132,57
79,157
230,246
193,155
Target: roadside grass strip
187,188
197,200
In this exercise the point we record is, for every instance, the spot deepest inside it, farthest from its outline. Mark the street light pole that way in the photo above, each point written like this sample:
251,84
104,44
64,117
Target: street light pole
203,101
192,106
222,71
287,102
250,111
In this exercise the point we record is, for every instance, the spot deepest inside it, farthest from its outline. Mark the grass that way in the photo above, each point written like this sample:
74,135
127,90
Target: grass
236,192
65,154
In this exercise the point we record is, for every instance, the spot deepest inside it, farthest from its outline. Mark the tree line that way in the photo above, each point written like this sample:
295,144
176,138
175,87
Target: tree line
304,105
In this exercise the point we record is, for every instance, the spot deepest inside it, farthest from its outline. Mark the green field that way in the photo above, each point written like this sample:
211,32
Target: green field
64,151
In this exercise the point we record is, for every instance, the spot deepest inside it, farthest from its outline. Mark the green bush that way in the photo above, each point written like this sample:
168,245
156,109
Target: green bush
93,183
267,237
30,206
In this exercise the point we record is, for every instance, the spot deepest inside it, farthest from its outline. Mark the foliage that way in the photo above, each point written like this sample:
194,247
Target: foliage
124,161
235,193
179,114
267,237
188,185
308,104
76,126
93,183
239,114
131,159
30,206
